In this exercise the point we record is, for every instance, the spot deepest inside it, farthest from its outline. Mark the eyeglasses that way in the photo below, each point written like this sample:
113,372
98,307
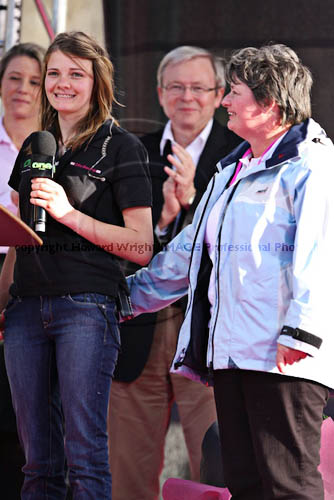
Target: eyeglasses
177,89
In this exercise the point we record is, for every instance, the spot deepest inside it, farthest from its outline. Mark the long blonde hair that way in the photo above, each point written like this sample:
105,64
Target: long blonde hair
78,44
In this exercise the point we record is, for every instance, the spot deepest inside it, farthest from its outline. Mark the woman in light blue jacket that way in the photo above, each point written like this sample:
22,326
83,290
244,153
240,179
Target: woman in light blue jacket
255,263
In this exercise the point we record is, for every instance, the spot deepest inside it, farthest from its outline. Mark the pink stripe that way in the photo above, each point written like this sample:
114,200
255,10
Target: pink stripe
249,150
239,166
85,167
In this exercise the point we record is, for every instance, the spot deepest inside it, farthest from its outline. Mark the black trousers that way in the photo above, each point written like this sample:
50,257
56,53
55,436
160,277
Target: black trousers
270,427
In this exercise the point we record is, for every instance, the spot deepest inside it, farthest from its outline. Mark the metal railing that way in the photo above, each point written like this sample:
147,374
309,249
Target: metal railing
10,23
11,17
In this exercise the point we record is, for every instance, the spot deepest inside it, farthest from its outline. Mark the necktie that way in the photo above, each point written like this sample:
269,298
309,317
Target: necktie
167,151
176,225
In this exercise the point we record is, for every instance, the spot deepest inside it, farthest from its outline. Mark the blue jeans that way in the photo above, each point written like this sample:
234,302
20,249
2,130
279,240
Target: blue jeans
60,357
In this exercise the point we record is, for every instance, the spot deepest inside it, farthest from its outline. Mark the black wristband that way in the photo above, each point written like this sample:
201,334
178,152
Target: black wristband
301,335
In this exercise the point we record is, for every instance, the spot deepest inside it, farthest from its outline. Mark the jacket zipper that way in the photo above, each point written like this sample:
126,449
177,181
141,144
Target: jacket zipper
217,269
194,240
182,354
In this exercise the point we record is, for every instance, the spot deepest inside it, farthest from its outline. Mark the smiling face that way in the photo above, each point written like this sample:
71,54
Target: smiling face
20,87
188,111
69,84
246,116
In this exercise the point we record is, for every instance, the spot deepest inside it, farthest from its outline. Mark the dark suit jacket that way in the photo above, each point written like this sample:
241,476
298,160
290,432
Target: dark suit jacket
137,334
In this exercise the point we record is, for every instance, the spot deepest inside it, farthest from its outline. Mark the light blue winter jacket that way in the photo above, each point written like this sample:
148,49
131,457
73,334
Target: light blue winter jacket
275,259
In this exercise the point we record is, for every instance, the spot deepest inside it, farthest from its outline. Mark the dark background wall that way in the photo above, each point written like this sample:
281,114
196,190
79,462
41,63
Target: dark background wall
139,32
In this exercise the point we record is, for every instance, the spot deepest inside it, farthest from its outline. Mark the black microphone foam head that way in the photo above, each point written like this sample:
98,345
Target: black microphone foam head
43,143
43,149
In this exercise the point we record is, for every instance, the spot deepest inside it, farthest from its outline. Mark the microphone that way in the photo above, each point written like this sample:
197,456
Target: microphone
43,149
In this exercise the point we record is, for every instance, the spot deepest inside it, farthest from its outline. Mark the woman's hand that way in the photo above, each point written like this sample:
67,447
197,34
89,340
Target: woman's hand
132,242
287,356
14,196
51,196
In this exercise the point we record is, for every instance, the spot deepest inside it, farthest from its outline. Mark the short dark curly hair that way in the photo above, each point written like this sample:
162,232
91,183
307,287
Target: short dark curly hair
274,72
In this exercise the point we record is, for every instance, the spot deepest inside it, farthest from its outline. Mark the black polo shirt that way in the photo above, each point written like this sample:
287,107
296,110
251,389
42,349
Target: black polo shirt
102,178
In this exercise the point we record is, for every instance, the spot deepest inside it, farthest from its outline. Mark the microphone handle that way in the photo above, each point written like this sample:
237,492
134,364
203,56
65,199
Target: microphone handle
39,219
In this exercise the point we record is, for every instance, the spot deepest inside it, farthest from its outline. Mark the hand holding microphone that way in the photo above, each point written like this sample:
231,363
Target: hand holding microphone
46,195
43,148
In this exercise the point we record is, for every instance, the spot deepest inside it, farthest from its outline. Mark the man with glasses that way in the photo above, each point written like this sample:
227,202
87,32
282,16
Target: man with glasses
183,157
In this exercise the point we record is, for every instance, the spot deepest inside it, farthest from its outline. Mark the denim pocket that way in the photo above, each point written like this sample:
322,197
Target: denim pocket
96,307
108,312
86,299
11,306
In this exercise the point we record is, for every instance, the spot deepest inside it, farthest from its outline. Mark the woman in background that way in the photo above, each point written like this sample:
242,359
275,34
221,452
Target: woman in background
20,80
61,329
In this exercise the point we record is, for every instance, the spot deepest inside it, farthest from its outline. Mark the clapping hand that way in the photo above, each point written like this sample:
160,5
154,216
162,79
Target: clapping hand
183,174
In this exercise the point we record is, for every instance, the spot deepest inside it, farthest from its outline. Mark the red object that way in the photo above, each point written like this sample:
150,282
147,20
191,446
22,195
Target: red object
45,18
326,466
14,232
181,489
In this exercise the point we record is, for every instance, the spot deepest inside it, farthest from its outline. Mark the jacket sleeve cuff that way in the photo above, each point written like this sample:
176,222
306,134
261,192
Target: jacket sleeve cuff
160,233
297,344
300,339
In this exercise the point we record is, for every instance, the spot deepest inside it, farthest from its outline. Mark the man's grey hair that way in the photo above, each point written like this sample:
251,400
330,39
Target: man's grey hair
186,53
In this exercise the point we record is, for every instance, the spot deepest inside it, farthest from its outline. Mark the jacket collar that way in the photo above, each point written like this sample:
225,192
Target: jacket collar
288,148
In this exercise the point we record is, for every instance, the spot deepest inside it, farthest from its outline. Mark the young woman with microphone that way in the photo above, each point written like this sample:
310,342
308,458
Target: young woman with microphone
61,331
